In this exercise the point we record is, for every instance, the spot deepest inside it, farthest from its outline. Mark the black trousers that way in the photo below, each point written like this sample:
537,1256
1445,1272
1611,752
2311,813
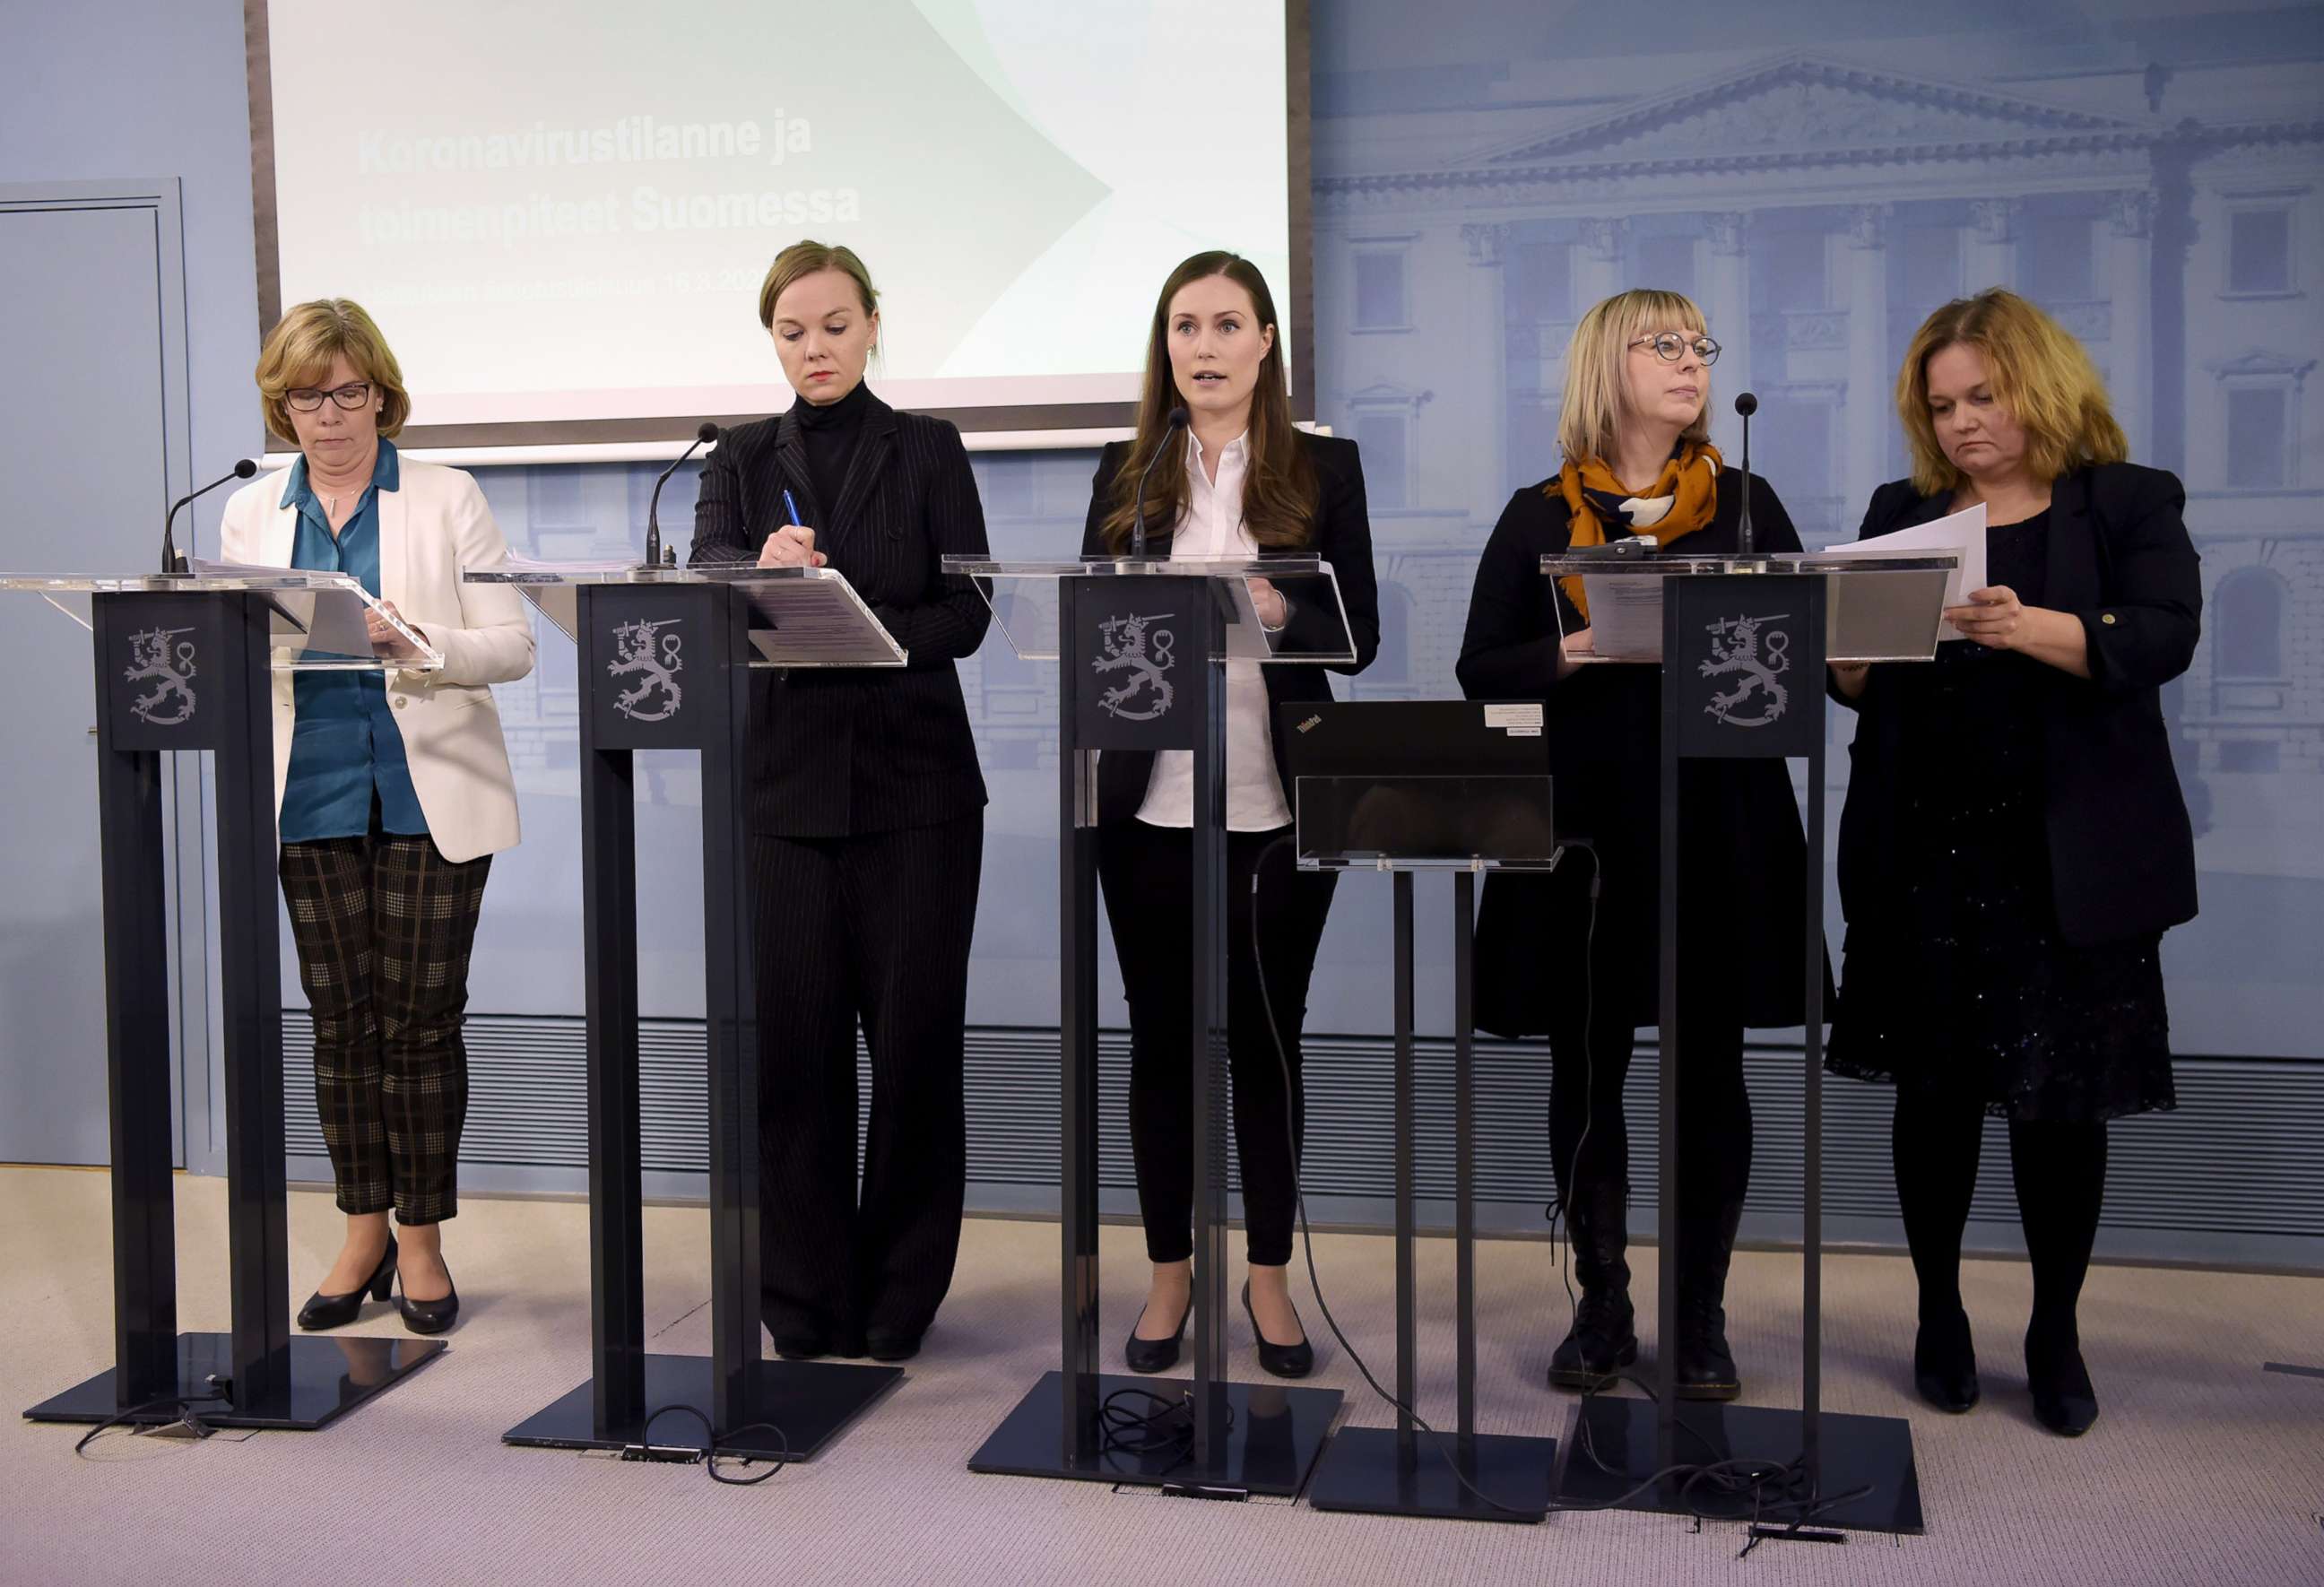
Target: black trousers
872,930
1589,1137
384,926
1147,875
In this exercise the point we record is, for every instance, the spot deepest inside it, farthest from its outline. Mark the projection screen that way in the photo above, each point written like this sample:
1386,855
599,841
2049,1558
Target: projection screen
561,216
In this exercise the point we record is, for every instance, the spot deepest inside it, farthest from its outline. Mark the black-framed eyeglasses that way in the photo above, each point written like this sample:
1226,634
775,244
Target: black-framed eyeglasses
1670,347
307,399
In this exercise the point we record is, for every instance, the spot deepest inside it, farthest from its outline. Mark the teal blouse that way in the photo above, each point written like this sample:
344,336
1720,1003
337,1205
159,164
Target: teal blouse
346,751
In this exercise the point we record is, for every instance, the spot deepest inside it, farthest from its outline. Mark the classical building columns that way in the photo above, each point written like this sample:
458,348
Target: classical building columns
2130,273
1871,416
1727,304
1486,478
1993,244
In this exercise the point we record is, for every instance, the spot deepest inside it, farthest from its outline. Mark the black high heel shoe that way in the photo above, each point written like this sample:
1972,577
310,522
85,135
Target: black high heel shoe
2064,1399
1944,1363
1156,1355
336,1311
431,1316
1281,1361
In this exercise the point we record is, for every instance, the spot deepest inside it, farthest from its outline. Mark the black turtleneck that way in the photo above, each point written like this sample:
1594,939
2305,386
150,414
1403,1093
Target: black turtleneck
829,431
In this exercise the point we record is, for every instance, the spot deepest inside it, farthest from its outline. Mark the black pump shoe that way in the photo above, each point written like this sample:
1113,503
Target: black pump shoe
2064,1399
1281,1361
336,1311
1156,1355
431,1316
1944,1362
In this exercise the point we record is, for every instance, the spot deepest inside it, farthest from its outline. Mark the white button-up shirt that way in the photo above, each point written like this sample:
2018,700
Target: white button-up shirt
1213,527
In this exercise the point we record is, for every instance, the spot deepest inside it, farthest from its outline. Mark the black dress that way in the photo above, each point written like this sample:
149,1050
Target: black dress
1959,982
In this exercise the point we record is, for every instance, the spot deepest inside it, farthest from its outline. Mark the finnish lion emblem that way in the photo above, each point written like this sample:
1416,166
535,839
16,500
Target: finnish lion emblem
1145,694
1736,649
639,650
152,656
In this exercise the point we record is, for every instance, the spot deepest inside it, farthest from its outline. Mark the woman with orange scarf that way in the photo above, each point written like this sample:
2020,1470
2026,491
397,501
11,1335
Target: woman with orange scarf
1573,956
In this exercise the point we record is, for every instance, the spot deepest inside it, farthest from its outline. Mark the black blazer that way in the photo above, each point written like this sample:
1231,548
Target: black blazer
1342,538
1742,854
861,750
2122,852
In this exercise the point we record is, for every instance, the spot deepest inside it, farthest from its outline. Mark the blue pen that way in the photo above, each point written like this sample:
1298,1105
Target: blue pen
791,507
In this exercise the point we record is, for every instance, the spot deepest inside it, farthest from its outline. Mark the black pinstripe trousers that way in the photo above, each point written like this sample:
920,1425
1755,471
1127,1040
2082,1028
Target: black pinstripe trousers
873,928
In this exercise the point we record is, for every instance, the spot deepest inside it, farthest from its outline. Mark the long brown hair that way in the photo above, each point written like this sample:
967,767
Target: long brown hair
2038,374
1279,491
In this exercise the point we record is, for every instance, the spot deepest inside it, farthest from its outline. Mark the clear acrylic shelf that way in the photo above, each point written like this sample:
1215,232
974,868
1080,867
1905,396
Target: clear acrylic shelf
799,616
315,620
1876,608
1024,600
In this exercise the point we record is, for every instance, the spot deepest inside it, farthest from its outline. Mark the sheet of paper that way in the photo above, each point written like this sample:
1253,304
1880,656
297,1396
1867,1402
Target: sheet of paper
333,618
1625,616
1962,532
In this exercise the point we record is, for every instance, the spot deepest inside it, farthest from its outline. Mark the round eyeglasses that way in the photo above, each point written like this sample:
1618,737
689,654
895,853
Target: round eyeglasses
350,396
1670,347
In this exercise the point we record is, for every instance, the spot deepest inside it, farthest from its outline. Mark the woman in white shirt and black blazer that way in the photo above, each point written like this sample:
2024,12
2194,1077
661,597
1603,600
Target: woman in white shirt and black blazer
392,791
1238,481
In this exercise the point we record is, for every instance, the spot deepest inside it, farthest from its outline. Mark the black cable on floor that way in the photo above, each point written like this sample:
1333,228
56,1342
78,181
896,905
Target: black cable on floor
711,1441
184,1402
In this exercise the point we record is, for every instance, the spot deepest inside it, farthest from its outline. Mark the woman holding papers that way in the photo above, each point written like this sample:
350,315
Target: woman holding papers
2014,843
867,829
391,793
1231,478
1573,955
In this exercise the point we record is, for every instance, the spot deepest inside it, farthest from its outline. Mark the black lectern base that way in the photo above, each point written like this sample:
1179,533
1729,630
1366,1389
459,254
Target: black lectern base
329,1375
1613,1449
810,1402
1370,1470
1276,1435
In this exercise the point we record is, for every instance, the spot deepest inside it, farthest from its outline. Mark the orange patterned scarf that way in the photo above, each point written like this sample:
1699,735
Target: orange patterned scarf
1681,501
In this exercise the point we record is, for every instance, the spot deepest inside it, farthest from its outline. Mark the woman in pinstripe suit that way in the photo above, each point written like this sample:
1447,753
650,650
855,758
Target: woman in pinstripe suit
867,829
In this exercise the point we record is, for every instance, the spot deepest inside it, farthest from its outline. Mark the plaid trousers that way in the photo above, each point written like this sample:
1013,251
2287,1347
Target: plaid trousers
384,925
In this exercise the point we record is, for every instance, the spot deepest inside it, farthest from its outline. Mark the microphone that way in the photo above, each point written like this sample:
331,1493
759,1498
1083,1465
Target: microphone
1747,405
702,438
1177,418
170,561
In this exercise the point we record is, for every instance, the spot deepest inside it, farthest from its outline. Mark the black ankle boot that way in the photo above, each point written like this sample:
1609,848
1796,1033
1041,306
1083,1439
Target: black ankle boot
2064,1401
1944,1361
1604,1337
1706,1367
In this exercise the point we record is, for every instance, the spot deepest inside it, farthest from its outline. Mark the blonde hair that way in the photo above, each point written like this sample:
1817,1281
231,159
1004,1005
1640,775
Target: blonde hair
1589,413
2038,374
805,259
298,352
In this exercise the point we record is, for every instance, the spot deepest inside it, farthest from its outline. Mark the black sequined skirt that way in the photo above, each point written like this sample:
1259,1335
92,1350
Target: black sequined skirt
1961,986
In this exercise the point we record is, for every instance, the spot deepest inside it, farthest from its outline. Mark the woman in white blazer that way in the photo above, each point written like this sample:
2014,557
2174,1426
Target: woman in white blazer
391,793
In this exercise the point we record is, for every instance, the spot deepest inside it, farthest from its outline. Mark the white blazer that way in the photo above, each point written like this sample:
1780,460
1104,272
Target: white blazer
436,523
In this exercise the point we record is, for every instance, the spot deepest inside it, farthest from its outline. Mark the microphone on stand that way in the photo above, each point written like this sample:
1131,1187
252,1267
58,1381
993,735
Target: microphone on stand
1177,418
1747,405
170,561
702,438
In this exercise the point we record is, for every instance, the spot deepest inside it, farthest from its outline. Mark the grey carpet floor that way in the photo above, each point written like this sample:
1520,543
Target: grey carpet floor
2202,1469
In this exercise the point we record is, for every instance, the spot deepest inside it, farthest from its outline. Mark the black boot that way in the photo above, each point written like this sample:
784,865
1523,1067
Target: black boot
1706,1367
2063,1399
1604,1337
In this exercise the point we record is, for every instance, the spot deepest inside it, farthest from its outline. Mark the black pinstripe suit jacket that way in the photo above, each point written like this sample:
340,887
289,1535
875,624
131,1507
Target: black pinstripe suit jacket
849,750
1342,536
